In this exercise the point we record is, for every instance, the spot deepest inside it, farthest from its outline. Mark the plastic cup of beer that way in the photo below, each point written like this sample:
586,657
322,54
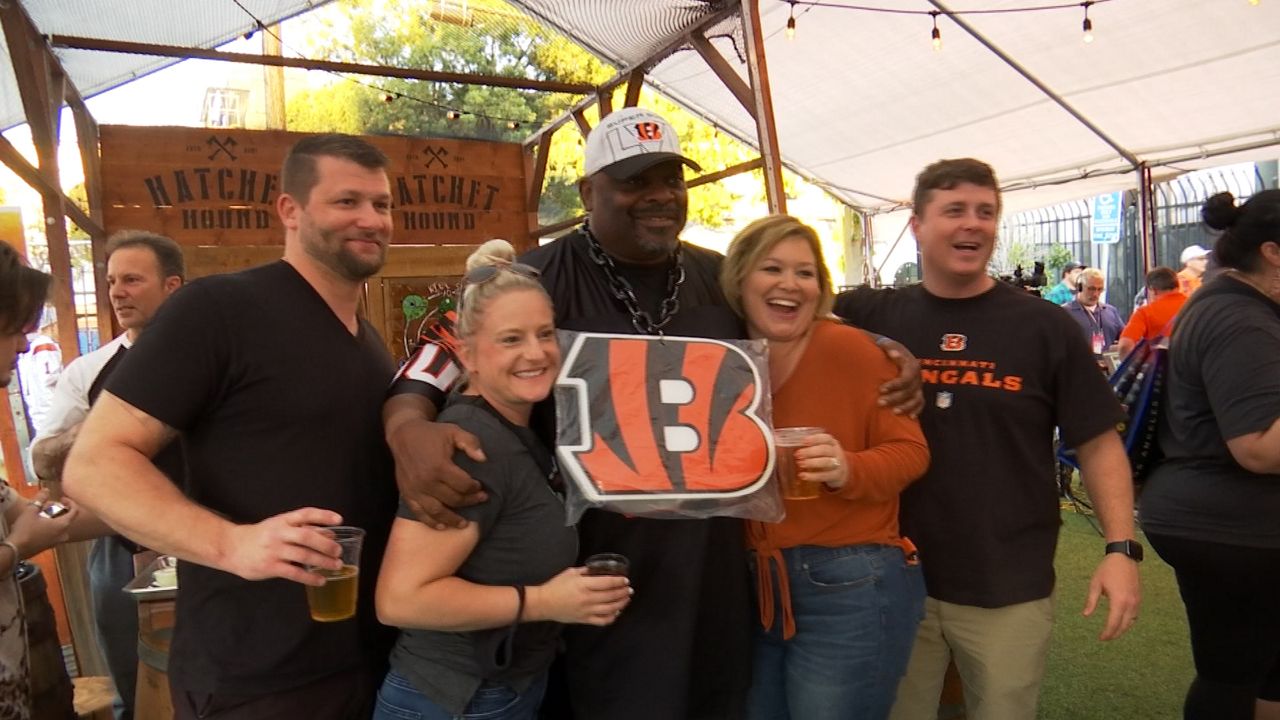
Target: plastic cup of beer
607,564
787,441
336,599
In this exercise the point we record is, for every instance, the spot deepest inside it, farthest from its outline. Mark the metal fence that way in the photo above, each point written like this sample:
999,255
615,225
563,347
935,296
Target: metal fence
1035,234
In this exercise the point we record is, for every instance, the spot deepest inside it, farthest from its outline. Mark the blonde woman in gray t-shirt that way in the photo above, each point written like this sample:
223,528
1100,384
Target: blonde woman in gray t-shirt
480,608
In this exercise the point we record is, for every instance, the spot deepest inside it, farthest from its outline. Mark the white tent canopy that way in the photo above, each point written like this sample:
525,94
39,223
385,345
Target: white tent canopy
862,101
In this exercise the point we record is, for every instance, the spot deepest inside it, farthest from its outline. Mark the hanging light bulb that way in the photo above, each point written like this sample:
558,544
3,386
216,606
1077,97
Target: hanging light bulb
512,125
936,34
1088,24
388,97
452,115
791,22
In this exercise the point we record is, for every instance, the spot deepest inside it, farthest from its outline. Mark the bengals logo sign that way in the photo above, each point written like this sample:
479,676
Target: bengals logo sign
647,418
648,131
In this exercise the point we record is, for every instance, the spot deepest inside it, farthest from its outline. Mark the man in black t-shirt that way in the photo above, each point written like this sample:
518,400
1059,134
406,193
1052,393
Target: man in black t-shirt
1001,369
682,648
275,386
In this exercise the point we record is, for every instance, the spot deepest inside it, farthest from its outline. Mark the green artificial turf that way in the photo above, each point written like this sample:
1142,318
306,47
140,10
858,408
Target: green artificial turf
1142,675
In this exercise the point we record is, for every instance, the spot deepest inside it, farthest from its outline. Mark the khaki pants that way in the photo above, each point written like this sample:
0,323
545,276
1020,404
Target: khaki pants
1000,653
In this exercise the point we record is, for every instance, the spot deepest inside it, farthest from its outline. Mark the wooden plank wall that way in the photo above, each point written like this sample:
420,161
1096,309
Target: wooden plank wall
217,187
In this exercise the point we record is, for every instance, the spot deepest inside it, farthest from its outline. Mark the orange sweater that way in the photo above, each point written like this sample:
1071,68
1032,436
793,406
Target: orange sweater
835,386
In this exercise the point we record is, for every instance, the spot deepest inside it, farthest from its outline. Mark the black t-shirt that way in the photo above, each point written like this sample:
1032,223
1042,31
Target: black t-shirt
682,647
523,540
279,407
1000,370
169,460
1223,382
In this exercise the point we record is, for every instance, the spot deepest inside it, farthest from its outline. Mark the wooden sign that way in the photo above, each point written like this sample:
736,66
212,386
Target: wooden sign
212,186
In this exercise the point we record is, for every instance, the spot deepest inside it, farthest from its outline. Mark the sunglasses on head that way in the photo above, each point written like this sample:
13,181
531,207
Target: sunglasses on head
485,273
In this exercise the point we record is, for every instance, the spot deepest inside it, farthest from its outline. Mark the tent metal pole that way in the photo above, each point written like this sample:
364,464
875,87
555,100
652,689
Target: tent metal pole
766,127
1128,156
1146,217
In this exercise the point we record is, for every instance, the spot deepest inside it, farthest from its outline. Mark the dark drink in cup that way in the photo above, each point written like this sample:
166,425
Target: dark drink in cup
787,441
607,564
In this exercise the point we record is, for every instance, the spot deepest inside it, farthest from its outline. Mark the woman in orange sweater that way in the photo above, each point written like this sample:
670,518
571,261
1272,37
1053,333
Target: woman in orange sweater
839,590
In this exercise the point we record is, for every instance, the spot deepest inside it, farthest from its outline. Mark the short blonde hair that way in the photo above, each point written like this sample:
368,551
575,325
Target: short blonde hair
473,298
757,239
1088,274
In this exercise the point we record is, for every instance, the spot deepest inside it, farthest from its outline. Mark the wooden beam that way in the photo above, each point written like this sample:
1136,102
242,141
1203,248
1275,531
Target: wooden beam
538,174
553,228
273,79
104,45
748,166
30,70
14,160
635,81
579,117
727,10
605,100
766,130
723,70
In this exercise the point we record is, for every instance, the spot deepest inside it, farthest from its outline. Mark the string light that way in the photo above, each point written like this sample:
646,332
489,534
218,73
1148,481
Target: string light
388,97
791,22
1088,24
452,115
513,125
936,34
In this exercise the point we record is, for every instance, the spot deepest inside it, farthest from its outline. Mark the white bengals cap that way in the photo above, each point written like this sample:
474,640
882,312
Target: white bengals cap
630,141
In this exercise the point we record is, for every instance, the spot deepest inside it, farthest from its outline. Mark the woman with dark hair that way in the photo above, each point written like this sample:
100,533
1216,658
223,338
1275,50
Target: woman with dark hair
480,608
839,590
1211,509
24,531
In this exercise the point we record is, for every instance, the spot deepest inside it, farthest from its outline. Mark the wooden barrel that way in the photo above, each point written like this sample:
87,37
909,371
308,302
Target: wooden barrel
52,696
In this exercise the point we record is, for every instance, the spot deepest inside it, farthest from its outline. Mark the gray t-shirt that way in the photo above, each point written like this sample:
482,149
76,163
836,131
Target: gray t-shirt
523,541
1223,382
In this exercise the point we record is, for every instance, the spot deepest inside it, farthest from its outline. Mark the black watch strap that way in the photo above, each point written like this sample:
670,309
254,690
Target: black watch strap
1131,549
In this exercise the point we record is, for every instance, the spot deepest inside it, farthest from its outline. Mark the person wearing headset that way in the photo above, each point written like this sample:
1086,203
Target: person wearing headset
1100,321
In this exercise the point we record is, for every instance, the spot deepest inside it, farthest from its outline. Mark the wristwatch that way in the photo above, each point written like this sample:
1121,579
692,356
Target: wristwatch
1131,549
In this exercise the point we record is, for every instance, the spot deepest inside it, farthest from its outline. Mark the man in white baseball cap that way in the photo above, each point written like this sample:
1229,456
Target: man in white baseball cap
1194,261
683,647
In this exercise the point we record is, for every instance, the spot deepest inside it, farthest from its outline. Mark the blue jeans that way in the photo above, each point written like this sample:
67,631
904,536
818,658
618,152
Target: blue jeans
399,700
856,611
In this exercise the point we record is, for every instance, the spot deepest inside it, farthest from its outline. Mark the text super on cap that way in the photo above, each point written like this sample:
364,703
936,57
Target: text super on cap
630,141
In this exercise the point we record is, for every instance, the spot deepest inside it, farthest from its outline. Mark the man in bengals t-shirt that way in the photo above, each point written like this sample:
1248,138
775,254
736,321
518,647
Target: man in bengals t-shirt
1001,368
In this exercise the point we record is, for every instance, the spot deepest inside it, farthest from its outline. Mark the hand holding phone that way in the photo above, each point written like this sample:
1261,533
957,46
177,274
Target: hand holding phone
54,509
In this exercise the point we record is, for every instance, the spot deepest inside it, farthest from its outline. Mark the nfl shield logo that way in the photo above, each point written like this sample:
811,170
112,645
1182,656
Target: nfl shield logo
943,400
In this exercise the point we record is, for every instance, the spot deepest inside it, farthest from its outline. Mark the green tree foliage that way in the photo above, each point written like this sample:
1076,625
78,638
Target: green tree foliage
484,37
